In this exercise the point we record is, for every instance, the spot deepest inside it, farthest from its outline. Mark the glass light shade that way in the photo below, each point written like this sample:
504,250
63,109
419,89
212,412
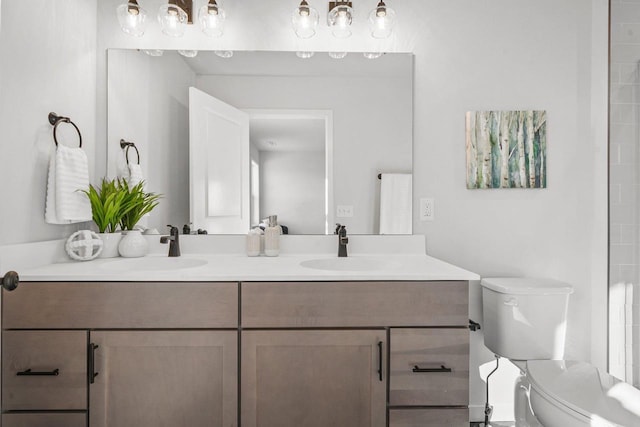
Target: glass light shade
154,52
304,54
212,17
337,55
340,18
224,53
382,19
305,20
188,53
173,20
132,18
372,55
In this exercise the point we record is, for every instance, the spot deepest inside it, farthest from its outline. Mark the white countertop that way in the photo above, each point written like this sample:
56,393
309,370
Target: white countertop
222,258
243,268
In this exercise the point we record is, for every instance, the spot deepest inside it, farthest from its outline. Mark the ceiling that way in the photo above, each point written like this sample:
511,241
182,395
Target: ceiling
288,134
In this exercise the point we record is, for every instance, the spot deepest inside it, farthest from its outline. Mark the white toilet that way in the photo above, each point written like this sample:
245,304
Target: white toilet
525,321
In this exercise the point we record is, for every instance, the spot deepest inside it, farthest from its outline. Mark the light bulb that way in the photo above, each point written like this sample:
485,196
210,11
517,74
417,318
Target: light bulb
154,52
132,18
372,55
224,53
304,54
304,20
173,20
381,21
337,55
340,18
212,19
188,53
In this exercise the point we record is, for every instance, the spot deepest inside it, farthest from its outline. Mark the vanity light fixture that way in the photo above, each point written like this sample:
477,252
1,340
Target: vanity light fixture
173,17
304,54
337,55
304,20
188,53
212,18
224,53
339,18
132,18
381,21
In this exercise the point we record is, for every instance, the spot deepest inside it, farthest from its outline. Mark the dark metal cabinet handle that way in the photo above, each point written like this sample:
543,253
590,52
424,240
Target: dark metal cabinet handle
380,361
92,363
442,368
30,373
10,280
474,326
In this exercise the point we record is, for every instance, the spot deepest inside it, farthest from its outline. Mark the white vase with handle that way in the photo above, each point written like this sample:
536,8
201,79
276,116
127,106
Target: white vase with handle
110,244
133,244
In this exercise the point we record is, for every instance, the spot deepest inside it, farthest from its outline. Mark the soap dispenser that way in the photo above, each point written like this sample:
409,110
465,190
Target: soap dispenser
272,237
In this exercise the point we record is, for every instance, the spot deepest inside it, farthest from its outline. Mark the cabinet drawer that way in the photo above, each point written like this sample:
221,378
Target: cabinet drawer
354,304
429,349
43,352
116,305
44,420
429,417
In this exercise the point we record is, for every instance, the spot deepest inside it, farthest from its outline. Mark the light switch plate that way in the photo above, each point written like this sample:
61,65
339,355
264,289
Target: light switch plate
344,211
427,209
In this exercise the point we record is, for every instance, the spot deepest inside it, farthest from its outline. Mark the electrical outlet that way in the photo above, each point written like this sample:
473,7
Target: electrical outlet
427,209
344,211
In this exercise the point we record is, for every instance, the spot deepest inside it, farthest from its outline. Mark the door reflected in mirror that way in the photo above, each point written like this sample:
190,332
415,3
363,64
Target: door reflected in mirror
231,141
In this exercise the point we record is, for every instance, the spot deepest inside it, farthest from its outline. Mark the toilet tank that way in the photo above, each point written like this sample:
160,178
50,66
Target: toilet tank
524,318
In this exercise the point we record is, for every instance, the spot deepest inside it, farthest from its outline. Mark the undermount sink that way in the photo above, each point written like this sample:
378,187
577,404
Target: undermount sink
133,265
348,264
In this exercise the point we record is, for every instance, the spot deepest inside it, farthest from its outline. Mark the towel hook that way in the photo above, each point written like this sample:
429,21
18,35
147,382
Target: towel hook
55,120
125,145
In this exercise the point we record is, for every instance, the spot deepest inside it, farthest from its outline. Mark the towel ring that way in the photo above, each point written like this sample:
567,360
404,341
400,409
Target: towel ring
55,120
125,145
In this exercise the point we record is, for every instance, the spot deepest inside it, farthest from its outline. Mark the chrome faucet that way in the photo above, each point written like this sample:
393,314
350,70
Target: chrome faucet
343,240
174,241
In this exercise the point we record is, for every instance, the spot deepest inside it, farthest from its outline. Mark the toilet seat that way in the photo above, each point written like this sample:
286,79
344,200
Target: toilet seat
583,389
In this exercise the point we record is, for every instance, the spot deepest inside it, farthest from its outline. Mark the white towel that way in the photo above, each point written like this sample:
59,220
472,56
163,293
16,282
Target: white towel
68,173
135,175
396,203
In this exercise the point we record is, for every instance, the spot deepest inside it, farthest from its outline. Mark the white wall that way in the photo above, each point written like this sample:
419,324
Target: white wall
47,63
148,104
372,124
470,55
292,186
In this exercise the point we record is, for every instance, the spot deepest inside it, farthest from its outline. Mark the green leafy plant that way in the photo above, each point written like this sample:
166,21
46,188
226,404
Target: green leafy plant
106,205
135,204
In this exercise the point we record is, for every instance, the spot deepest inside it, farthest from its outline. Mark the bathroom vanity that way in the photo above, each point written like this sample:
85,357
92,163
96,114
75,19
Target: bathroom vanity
302,347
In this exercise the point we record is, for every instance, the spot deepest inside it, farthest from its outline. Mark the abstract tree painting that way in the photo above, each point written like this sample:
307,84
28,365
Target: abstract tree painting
506,149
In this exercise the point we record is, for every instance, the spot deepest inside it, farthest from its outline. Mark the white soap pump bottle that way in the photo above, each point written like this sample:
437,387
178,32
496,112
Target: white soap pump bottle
272,237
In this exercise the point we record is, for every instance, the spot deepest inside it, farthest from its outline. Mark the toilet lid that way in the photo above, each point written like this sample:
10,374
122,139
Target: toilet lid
526,286
586,390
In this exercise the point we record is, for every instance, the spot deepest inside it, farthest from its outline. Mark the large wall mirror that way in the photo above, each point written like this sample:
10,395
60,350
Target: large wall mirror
230,141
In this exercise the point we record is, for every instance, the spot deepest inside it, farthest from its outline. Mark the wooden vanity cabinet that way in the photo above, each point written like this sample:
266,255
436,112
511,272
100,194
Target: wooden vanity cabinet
331,329
312,354
144,353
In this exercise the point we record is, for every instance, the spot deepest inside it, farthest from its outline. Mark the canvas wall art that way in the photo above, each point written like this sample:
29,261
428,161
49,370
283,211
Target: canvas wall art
506,149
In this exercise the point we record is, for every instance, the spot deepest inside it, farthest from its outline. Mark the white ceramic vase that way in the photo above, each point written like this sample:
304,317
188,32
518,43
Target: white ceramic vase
133,245
110,244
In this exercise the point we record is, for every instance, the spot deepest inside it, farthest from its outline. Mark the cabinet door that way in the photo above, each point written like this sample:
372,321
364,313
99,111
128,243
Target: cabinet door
164,379
314,378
